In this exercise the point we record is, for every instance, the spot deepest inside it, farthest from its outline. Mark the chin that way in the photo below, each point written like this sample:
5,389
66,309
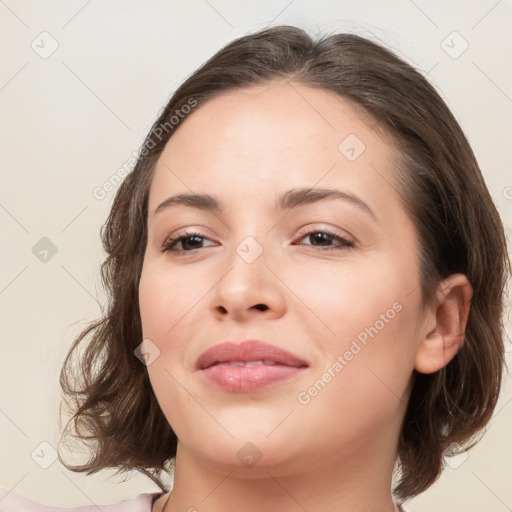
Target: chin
248,459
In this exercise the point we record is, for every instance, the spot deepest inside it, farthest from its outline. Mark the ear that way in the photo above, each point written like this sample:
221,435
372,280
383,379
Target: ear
445,334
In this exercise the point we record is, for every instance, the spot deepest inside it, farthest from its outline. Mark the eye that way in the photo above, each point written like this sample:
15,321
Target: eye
324,237
190,240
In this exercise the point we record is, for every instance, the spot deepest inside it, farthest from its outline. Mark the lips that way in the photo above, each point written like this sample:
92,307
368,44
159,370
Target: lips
246,352
248,365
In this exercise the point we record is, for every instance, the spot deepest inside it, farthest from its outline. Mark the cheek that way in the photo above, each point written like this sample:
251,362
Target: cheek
352,299
166,303
165,300
363,386
369,321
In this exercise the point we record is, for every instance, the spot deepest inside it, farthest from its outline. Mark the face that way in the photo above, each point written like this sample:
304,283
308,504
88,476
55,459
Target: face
330,278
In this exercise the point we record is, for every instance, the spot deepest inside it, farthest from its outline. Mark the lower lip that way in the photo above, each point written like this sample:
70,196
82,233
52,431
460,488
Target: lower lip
244,379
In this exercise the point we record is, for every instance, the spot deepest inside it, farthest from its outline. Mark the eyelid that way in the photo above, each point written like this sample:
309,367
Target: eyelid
176,238
326,229
344,242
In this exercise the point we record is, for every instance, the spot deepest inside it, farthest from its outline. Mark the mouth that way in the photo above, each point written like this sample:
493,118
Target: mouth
246,366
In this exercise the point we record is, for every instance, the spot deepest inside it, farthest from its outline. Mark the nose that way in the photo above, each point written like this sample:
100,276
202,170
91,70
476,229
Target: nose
248,290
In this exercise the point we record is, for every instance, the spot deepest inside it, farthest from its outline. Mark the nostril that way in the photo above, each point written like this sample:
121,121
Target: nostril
261,307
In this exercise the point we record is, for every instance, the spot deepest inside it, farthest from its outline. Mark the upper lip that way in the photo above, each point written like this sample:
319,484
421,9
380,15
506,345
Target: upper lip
248,350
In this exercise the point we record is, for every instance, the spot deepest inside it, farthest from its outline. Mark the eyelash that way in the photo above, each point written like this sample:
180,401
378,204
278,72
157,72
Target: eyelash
170,242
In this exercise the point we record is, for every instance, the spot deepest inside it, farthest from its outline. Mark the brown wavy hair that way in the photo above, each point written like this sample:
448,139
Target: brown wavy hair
114,409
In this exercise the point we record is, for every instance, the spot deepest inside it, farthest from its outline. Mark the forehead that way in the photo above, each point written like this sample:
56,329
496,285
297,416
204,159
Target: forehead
274,136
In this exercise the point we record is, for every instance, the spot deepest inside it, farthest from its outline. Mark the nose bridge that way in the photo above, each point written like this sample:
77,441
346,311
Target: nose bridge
248,284
251,237
247,264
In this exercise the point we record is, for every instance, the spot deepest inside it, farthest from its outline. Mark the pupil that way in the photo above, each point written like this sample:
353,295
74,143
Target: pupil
196,238
321,237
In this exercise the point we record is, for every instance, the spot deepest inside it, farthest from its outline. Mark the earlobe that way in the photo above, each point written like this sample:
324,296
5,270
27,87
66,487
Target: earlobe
440,343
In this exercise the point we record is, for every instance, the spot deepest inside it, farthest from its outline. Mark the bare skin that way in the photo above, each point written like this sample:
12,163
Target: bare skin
327,450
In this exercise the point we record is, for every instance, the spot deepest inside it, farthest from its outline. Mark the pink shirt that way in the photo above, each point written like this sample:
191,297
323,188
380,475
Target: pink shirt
10,501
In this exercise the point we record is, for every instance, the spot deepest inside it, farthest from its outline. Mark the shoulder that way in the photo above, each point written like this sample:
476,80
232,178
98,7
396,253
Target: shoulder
11,501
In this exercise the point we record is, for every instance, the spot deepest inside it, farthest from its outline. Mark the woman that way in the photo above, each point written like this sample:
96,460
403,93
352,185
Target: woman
306,273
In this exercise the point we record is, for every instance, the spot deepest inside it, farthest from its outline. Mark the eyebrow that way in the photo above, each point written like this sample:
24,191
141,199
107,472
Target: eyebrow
289,200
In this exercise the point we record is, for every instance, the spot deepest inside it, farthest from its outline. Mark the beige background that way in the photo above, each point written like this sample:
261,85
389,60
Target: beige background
72,118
